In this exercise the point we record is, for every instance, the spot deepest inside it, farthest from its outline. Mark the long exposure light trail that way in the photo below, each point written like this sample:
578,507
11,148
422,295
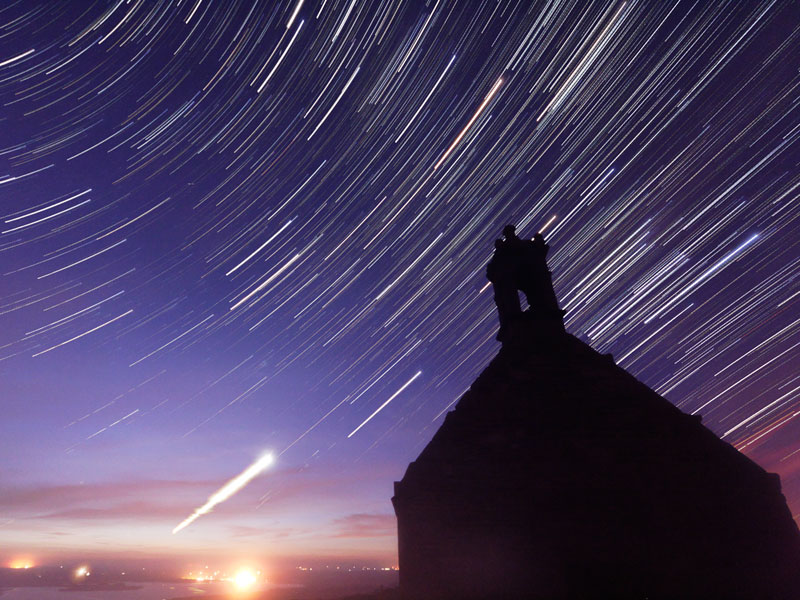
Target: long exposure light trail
484,104
385,404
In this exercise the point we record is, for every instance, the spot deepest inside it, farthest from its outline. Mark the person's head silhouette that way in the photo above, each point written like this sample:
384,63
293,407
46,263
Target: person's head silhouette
509,232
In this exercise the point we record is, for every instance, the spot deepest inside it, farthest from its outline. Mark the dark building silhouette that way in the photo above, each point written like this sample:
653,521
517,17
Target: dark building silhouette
559,475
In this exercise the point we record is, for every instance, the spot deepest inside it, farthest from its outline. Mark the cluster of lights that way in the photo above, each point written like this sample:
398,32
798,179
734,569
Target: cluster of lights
243,578
81,573
351,569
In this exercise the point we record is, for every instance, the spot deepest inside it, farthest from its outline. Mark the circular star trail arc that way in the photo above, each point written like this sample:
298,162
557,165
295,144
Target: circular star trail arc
270,217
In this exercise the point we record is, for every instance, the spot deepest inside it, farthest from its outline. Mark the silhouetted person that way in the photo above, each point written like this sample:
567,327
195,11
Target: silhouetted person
502,271
536,281
533,277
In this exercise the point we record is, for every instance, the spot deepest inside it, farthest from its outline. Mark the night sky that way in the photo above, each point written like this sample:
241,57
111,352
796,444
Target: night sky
234,228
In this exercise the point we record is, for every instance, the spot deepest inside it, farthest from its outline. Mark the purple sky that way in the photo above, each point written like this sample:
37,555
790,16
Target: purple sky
231,228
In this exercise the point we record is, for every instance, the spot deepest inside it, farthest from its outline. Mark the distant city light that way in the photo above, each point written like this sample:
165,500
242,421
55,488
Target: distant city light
244,579
82,571
21,563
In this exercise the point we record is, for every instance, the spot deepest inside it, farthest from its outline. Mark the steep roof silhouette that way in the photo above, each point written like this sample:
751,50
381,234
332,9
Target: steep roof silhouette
560,475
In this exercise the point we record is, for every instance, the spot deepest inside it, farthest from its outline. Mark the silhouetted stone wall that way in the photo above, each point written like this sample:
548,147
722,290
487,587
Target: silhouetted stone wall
559,475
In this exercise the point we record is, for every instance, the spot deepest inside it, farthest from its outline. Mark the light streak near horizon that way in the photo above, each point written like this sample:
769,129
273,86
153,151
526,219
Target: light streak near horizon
172,341
266,282
228,490
77,262
385,404
85,333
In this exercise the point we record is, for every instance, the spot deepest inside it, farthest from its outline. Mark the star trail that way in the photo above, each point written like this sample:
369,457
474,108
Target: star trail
237,228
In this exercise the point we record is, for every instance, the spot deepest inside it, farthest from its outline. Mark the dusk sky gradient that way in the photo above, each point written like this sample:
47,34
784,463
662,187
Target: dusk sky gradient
233,228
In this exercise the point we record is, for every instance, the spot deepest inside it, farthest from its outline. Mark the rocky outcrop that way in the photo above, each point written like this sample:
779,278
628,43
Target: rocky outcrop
559,475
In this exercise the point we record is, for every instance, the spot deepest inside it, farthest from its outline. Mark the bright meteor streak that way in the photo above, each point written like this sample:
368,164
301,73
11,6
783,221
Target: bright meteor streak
229,489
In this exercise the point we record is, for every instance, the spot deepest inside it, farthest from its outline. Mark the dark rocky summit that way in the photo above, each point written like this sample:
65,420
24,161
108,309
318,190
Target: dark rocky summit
559,475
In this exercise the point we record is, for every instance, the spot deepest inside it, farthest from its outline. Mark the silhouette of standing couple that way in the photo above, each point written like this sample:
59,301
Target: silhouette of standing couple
521,265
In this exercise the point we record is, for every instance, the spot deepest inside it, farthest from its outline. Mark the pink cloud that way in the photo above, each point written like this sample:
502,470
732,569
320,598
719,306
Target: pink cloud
129,500
361,525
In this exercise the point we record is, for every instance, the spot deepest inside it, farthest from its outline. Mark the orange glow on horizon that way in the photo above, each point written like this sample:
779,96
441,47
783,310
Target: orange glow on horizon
21,563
